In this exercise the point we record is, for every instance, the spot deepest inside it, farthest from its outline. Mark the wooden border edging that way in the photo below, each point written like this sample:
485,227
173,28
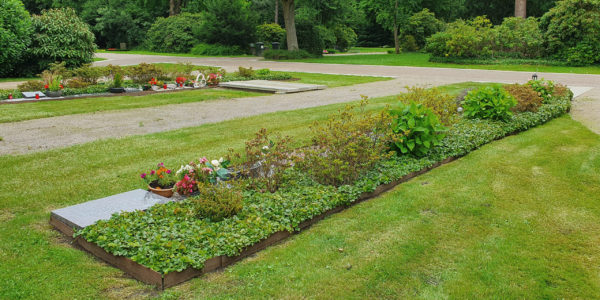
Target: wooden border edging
149,276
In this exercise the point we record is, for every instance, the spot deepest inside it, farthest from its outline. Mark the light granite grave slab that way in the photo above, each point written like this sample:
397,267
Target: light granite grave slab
32,94
277,87
85,214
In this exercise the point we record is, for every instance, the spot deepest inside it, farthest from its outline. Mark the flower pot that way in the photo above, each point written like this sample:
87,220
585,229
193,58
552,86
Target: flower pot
167,193
53,94
117,90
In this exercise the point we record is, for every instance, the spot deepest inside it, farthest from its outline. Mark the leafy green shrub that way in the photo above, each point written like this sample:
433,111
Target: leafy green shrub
473,38
311,37
347,145
572,31
267,160
92,89
527,98
15,35
31,86
245,72
409,43
89,74
519,37
77,83
489,103
60,35
419,126
421,25
263,72
5,93
217,201
177,33
443,105
228,22
269,33
544,88
143,73
216,50
345,37
285,54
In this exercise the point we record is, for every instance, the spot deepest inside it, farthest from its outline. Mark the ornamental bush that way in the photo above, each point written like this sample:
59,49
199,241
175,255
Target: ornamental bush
174,34
489,103
544,88
467,39
420,128
15,35
519,37
527,98
269,33
345,37
60,35
217,201
572,31
228,22
285,54
443,105
216,50
422,25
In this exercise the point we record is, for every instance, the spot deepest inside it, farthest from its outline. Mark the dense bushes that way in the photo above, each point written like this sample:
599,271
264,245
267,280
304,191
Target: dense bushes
216,50
517,37
270,33
527,98
228,22
15,35
420,26
217,202
493,103
60,35
345,37
573,31
174,34
443,105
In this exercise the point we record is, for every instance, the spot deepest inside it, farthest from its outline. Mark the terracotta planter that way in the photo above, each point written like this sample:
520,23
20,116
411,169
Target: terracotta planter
167,193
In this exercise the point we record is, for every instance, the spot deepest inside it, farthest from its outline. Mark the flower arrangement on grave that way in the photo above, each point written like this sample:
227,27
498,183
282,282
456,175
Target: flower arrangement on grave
153,81
180,81
213,79
54,85
204,171
161,179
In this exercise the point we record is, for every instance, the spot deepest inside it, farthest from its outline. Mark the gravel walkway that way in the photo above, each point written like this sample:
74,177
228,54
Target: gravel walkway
42,134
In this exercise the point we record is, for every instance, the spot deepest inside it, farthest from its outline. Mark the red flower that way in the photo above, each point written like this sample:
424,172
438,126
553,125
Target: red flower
46,86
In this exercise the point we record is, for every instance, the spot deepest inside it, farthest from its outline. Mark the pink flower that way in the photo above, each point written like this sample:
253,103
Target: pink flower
143,175
168,171
207,170
152,172
203,160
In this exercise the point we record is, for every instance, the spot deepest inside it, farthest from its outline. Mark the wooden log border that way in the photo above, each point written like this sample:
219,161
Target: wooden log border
152,277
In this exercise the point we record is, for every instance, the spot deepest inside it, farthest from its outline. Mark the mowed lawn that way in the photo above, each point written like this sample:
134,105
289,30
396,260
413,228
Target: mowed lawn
417,59
46,109
519,218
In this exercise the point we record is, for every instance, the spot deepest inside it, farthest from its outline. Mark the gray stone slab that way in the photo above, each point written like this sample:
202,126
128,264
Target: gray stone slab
82,215
272,86
32,94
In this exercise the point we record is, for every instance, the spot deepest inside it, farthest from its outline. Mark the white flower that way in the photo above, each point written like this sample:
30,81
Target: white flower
221,160
265,147
215,163
184,168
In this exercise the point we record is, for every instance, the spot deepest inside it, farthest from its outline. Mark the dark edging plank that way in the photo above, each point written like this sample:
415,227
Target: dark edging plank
152,277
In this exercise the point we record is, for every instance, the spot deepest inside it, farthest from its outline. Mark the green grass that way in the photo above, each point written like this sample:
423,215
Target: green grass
99,59
369,49
145,52
333,80
516,219
46,109
415,59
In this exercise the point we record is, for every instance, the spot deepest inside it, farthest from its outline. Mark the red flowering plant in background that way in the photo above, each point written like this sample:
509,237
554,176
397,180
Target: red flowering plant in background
161,178
213,79
153,81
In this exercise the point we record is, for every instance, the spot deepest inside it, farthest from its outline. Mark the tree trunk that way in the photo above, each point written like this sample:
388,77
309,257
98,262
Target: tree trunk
396,38
289,17
521,9
174,7
276,11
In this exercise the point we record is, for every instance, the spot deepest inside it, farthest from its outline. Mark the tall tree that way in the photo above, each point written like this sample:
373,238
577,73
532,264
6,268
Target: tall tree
289,16
393,15
521,9
174,7
276,12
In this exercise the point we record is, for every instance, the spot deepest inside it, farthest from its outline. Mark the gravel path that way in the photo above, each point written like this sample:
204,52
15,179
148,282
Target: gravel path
42,134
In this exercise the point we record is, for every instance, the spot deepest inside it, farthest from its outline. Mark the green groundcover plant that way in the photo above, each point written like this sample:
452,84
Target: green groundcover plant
177,235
